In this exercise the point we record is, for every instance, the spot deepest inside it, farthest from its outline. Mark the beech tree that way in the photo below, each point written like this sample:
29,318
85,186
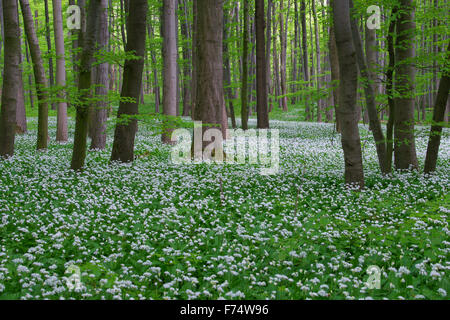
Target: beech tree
10,78
351,143
101,81
261,65
404,144
61,129
170,66
210,100
39,75
125,133
84,86
438,117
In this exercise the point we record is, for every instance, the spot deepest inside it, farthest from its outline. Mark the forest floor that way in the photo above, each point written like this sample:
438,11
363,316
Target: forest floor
156,230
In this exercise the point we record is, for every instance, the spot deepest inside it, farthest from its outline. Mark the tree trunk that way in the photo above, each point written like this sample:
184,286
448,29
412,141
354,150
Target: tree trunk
261,74
370,98
187,73
404,145
318,69
10,78
125,133
390,89
101,80
61,130
227,72
351,143
170,67
21,118
244,89
305,57
334,66
48,38
84,86
438,118
210,102
39,75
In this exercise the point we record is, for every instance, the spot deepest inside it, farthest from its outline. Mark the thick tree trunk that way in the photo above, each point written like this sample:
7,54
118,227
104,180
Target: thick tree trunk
210,102
170,67
84,86
101,80
261,73
39,75
125,133
351,143
61,126
10,78
404,144
438,118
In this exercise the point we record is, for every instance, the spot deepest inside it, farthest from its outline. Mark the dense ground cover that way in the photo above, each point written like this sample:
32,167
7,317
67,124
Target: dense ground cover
162,231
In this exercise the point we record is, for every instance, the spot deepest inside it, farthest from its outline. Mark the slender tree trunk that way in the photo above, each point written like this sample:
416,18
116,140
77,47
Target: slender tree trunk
244,90
30,77
305,56
438,118
170,67
261,76
390,89
155,70
10,78
187,73
125,133
227,72
268,43
404,145
351,143
334,65
101,80
84,86
318,69
21,118
48,38
370,98
61,130
39,75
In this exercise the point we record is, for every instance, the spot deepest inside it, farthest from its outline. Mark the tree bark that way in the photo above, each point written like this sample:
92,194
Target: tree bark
438,117
10,78
170,67
305,56
48,38
261,73
370,98
351,143
84,86
39,75
210,102
100,112
61,126
124,137
244,89
404,144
